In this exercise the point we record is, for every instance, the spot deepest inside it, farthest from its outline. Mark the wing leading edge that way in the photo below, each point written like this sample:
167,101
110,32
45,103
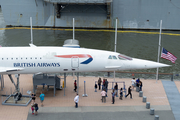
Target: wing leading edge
8,69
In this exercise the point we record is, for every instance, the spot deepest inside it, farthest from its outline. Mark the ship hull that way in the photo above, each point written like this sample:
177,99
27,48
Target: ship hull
131,14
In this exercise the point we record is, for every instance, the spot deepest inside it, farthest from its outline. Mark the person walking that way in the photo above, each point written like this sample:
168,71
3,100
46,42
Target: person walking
133,83
33,96
137,82
76,100
95,87
103,94
99,83
121,94
42,98
106,83
129,92
36,108
116,89
32,108
140,85
113,95
75,85
106,86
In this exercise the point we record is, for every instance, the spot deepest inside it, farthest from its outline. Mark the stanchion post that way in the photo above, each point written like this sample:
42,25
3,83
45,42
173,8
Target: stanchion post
64,91
172,77
84,95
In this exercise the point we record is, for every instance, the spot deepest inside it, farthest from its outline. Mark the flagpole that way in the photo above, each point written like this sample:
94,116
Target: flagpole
159,49
115,45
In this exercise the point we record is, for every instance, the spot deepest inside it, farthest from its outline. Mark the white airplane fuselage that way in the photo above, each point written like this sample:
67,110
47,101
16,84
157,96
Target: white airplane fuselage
33,60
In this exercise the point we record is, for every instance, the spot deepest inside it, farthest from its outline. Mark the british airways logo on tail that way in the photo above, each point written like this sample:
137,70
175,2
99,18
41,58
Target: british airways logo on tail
79,56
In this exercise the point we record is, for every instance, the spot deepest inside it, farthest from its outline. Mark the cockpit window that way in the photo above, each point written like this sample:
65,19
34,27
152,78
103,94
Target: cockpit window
124,57
120,58
114,57
110,57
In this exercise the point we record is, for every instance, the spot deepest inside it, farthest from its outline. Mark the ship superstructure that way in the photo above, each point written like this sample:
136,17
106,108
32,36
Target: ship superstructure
131,14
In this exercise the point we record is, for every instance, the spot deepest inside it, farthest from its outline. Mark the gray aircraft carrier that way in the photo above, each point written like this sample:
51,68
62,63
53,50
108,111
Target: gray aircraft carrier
131,14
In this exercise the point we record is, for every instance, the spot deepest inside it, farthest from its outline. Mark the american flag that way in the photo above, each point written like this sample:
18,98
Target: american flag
167,55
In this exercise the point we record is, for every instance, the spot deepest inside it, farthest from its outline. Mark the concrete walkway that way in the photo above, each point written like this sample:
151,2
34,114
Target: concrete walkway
91,107
173,97
102,113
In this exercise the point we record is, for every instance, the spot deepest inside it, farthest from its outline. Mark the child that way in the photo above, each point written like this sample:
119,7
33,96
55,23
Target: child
121,94
32,108
36,108
95,86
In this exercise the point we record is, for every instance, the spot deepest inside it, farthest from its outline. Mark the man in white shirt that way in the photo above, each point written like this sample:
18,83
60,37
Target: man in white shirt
103,94
133,83
76,100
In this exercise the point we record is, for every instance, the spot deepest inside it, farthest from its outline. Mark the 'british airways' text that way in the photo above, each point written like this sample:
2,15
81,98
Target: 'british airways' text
36,64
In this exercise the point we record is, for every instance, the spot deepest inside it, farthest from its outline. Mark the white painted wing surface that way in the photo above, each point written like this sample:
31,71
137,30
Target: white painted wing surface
112,67
9,69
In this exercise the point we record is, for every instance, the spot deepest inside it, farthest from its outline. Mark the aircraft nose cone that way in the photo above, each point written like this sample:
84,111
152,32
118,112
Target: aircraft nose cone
151,64
146,64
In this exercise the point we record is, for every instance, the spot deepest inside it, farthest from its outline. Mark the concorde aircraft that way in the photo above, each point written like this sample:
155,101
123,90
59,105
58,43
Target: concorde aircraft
40,60
34,60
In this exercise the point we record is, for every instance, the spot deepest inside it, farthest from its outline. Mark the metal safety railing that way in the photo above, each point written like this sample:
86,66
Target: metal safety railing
80,1
121,84
145,73
131,74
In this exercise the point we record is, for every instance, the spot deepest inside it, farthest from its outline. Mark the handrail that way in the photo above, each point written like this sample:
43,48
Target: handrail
144,73
141,72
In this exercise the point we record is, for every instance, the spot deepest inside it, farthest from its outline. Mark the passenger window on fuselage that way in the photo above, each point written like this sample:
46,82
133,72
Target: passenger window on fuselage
110,57
30,58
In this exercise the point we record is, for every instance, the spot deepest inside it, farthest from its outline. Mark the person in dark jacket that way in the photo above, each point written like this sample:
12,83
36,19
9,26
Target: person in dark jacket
75,85
113,95
137,82
33,96
116,89
129,92
36,108
140,85
99,83
106,86
121,94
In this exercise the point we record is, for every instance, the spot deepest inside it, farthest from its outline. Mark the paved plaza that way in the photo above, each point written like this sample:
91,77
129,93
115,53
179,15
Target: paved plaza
91,107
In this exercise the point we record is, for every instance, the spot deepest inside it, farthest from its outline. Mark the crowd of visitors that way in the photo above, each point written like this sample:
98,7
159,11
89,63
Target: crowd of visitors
104,84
